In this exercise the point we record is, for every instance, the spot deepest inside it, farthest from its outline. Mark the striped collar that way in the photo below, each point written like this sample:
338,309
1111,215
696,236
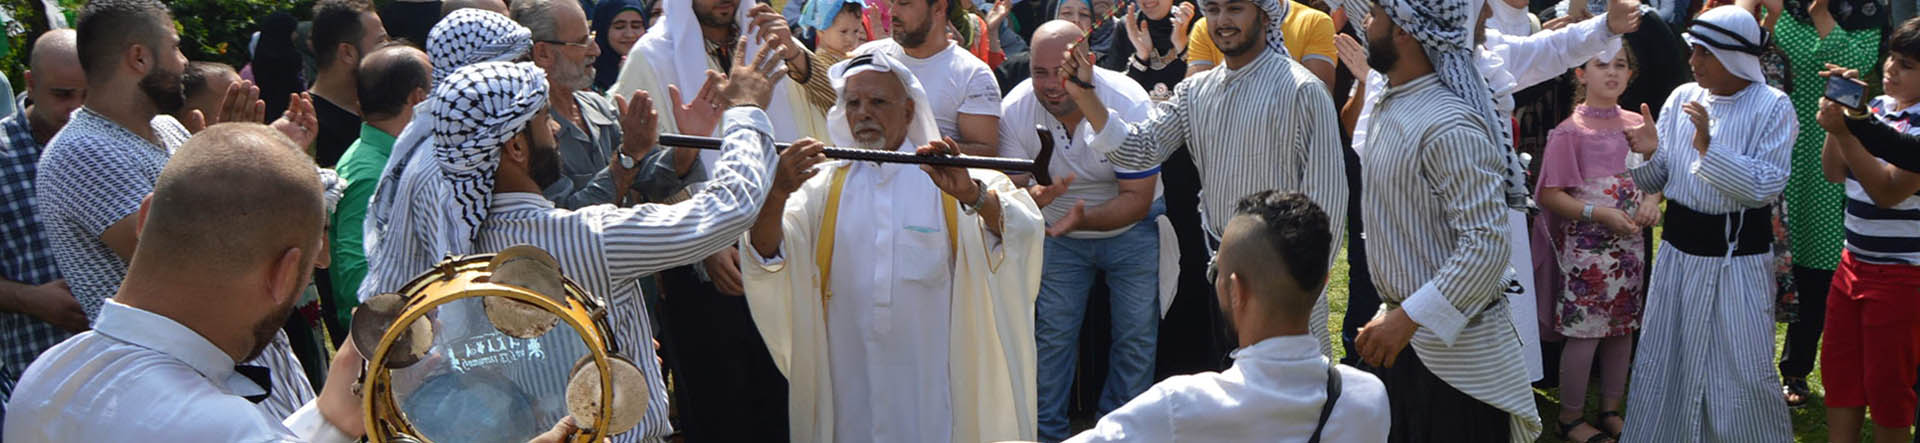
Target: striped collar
511,202
1421,83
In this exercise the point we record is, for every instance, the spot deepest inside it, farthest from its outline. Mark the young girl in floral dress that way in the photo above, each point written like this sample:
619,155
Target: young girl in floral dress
1594,216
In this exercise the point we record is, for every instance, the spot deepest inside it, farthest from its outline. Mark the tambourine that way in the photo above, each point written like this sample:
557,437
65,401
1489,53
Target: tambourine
494,347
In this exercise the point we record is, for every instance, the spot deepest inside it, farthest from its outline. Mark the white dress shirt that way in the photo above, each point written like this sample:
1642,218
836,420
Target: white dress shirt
140,376
1273,392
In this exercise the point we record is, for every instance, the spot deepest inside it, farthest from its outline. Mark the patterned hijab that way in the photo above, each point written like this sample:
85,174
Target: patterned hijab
470,35
442,194
1445,30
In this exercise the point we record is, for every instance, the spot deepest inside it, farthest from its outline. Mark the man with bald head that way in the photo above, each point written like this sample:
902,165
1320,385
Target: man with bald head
1267,276
39,311
397,77
1105,222
229,239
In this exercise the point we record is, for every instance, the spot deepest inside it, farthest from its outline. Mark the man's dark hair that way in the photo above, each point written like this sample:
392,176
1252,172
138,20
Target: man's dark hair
388,76
1906,39
198,73
106,28
1296,230
336,22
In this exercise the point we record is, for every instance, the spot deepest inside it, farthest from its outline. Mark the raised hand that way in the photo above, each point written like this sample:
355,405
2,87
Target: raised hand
1623,16
751,83
1353,55
639,124
1702,133
699,116
1077,63
1043,195
1644,139
1137,32
774,30
299,123
998,15
1182,18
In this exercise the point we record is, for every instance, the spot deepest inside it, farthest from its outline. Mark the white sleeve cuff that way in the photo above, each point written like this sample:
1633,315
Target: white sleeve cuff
1111,136
1428,307
310,426
767,264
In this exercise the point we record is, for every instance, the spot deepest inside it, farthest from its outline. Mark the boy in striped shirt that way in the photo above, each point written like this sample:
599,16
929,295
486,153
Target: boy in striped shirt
1872,344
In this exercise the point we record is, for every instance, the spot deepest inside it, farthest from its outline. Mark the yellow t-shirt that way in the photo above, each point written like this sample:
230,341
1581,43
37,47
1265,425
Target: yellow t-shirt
1309,35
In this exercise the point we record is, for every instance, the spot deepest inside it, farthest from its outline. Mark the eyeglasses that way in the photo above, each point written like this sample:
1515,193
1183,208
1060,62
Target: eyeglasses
586,44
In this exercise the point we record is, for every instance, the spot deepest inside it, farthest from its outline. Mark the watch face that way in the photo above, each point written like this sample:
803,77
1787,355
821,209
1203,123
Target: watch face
627,161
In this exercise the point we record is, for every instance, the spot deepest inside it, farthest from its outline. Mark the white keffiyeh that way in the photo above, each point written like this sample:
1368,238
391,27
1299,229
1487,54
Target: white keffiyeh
920,131
441,196
1445,29
1734,38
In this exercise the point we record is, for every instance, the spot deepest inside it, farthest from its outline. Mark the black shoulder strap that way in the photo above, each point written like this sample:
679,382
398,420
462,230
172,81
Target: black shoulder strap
1333,395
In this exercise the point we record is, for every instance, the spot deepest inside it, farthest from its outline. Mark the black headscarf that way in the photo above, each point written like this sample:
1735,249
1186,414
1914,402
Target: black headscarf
607,66
276,63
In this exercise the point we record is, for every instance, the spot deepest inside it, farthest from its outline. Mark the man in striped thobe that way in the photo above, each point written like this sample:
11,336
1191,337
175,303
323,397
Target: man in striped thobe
1433,193
1262,122
490,125
1706,342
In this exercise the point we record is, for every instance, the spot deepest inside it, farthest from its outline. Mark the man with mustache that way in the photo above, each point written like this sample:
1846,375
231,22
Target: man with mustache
897,300
1263,122
1106,223
965,97
601,161
96,170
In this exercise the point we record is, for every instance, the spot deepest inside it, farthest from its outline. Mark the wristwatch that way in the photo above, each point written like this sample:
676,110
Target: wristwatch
627,161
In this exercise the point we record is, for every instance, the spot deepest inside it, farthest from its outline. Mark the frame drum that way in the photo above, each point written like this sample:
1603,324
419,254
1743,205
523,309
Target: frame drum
496,347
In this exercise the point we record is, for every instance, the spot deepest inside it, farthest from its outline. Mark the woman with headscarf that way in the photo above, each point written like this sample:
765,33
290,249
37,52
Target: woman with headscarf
277,64
617,24
1813,35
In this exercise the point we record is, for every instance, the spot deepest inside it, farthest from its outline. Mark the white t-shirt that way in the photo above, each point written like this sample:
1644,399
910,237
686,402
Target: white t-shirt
956,82
1095,179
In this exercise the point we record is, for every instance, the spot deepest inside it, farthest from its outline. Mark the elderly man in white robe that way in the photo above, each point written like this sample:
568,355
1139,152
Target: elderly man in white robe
1720,153
925,333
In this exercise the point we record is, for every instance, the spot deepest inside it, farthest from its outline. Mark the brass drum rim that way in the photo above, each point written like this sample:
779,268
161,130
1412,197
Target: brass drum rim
456,279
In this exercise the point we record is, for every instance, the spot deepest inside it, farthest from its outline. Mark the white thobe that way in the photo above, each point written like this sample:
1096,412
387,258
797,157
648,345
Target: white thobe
923,341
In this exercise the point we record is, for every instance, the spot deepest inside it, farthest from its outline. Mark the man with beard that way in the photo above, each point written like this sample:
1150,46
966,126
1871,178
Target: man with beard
593,171
926,332
39,309
1444,343
95,171
343,31
722,376
1106,224
228,240
476,189
1264,122
964,96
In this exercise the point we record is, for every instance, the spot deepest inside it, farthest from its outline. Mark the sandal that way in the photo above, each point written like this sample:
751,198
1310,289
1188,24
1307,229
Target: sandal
1604,425
1796,391
1599,435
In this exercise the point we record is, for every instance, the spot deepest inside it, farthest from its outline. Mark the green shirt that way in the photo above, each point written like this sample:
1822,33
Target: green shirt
1815,207
360,167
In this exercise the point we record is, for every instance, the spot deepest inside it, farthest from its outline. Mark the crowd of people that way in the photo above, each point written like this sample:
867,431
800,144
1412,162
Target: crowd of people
183,243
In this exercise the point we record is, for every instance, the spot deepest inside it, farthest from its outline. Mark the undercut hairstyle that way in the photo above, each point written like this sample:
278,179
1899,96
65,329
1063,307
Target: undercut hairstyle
106,28
1906,39
336,22
199,73
388,76
537,16
1295,230
231,200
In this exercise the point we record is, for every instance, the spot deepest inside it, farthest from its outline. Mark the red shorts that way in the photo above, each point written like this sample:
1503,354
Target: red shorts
1871,348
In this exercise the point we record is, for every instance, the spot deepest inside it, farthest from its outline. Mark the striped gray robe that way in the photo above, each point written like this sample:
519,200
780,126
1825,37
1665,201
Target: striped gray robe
1268,125
1706,341
1433,195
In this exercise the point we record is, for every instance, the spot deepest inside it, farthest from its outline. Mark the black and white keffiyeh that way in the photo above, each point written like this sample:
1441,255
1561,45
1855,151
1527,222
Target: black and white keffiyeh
1445,29
1276,16
469,36
437,199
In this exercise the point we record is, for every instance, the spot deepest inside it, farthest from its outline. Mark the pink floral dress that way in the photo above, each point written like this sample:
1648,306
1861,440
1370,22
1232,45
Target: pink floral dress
1600,286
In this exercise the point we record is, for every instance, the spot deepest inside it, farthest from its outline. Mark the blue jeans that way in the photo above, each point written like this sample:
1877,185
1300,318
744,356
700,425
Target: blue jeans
1131,261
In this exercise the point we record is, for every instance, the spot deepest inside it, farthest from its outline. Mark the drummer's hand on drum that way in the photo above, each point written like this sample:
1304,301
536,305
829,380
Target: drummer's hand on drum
337,402
559,433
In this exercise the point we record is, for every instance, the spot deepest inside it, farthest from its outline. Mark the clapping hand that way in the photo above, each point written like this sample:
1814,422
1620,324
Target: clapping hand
1182,17
1353,55
1043,195
241,102
1702,126
1137,32
299,123
699,116
639,124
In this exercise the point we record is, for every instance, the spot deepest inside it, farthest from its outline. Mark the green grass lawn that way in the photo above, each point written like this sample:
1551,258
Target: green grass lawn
1809,422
